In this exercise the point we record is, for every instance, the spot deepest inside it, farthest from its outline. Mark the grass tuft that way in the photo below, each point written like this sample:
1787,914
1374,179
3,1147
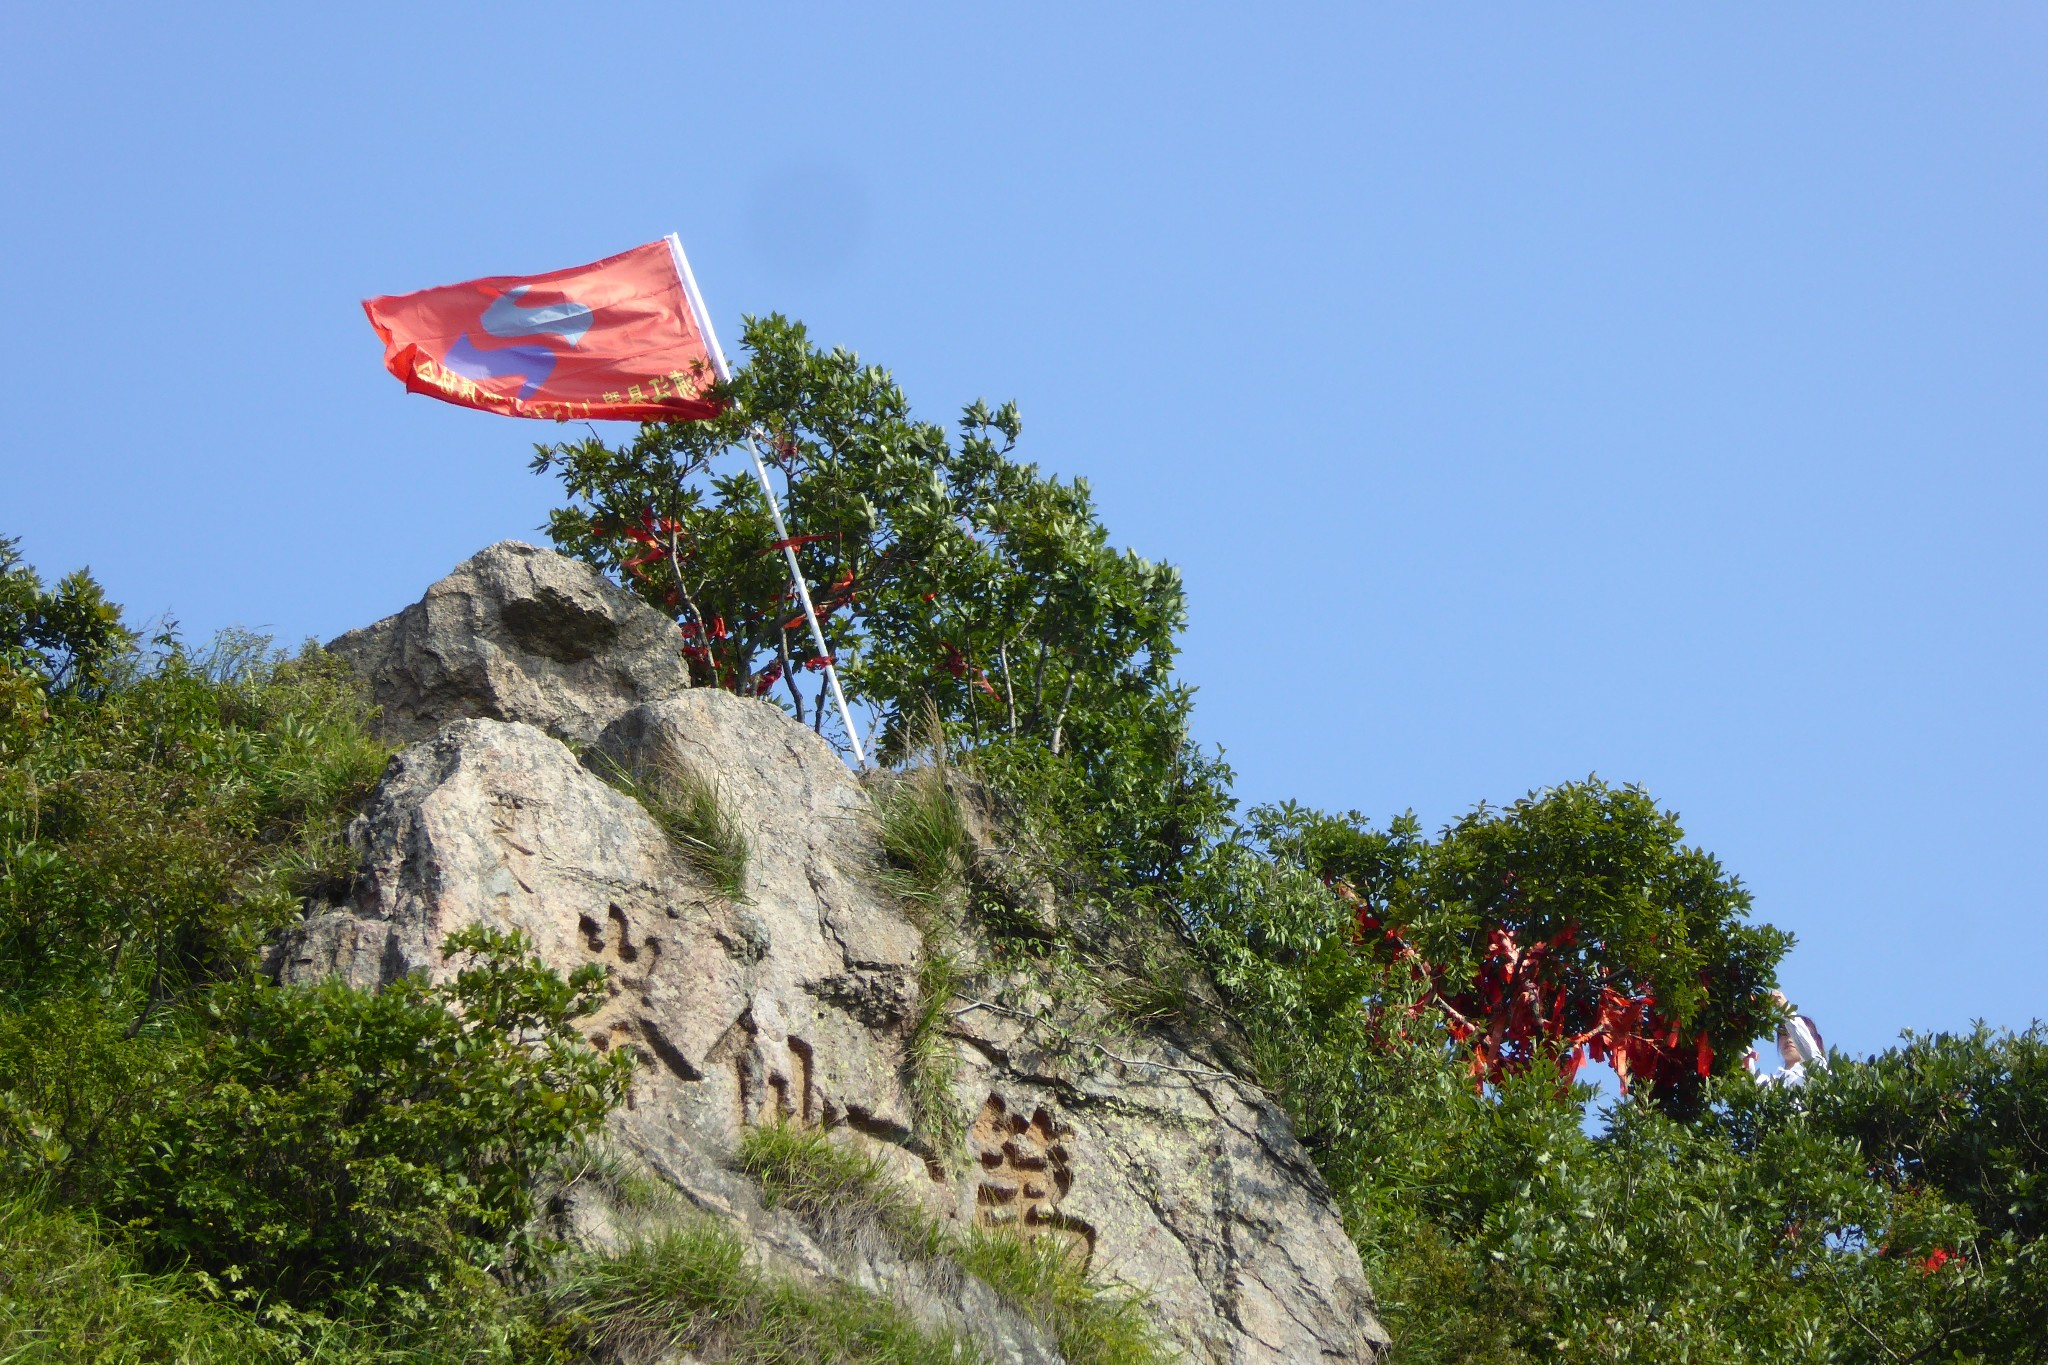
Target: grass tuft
693,1290
803,1170
1044,1280
593,1166
1039,1277
928,846
925,836
930,1057
691,811
67,1295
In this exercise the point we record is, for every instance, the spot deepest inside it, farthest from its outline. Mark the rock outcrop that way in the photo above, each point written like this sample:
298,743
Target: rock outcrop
794,1004
517,633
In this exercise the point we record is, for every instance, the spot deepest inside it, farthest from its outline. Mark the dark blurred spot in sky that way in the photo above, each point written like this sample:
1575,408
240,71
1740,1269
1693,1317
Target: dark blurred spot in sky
808,222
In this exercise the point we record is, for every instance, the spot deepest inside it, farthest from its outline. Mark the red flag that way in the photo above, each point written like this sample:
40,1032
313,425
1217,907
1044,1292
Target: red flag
615,339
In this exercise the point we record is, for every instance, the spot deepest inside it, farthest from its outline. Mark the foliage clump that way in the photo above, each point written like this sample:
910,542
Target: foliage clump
327,1144
1860,1217
68,641
67,1295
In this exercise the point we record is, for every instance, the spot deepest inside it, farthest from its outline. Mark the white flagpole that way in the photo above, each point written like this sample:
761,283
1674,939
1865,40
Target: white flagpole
796,574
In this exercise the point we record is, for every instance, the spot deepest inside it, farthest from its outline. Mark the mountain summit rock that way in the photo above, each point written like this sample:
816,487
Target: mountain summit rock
793,1003
516,632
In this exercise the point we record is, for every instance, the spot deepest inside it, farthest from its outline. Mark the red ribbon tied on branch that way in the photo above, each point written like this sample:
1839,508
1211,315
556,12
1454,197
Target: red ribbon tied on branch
1519,1007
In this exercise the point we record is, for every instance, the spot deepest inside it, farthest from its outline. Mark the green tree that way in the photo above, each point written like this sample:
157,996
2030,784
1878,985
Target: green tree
947,573
1957,1121
1383,982
1574,922
945,570
1890,1210
66,641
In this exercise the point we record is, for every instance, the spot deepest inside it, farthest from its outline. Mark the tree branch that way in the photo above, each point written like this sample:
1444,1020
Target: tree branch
1060,722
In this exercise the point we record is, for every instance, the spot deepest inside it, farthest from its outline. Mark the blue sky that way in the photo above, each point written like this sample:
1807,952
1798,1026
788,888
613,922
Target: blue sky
1524,391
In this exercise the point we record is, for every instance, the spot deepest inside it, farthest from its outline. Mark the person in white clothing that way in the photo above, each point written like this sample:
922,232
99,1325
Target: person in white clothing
1799,1047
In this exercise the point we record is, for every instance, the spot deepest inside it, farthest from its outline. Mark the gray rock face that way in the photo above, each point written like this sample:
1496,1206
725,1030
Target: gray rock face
517,633
1165,1173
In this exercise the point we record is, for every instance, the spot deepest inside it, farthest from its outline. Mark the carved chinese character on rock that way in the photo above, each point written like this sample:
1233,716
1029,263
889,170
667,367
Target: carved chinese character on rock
1024,1174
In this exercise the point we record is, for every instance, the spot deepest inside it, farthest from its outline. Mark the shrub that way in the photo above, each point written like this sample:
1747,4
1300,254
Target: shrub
302,1153
323,1145
1954,1129
153,835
